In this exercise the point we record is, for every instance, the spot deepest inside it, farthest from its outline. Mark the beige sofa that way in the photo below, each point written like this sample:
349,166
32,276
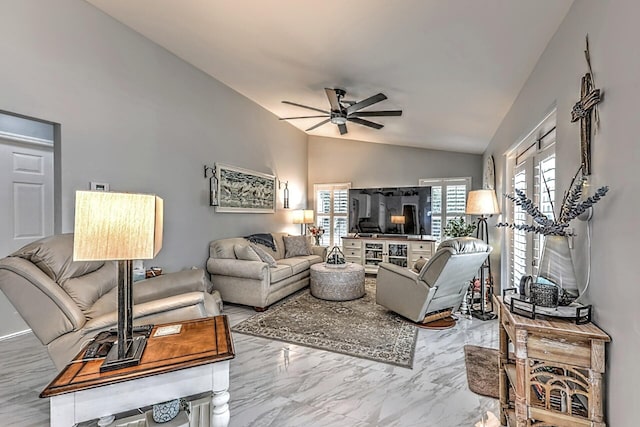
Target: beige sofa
254,283
67,303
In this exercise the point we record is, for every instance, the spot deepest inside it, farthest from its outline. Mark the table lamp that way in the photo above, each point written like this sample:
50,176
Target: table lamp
483,203
303,217
120,227
398,220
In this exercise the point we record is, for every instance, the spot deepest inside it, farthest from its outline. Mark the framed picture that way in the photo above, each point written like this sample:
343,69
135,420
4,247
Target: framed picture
243,190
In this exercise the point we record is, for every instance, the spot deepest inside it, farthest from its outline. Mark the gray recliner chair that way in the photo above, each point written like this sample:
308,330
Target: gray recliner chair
66,303
439,285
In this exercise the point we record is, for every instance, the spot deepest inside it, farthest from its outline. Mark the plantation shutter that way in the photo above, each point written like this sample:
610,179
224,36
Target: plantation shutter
448,201
332,212
534,172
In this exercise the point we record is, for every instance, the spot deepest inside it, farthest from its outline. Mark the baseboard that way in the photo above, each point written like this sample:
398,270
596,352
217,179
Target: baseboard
15,334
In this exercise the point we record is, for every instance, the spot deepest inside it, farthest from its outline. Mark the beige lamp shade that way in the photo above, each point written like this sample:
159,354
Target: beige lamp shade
482,202
303,217
117,226
397,219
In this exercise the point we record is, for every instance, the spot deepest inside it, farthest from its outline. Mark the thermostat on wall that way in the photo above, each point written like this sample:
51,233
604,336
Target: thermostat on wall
99,186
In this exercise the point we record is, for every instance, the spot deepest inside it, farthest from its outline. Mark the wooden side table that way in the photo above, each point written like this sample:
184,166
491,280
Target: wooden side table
555,371
195,360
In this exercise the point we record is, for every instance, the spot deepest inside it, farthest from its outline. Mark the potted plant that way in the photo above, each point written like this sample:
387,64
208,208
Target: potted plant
458,227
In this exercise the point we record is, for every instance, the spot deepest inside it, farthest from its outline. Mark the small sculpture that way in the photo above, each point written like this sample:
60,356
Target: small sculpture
336,258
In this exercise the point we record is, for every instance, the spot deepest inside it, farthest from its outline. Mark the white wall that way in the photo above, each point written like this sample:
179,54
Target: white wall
383,165
614,293
143,120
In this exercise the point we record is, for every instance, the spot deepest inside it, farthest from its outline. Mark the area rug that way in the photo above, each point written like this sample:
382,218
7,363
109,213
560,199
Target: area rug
482,370
358,328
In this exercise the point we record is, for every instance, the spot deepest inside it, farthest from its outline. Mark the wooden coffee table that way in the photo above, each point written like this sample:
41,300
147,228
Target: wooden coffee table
195,360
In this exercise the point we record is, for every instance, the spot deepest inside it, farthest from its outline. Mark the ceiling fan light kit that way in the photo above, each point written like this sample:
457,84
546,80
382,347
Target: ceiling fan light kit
343,111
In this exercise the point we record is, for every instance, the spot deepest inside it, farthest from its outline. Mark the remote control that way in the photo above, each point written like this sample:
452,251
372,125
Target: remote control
92,350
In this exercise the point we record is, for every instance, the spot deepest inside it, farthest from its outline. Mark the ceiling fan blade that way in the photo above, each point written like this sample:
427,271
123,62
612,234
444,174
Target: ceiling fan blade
317,125
301,117
366,102
365,122
304,106
343,129
333,99
377,113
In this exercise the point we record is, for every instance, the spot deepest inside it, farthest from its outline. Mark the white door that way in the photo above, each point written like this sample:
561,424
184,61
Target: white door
26,207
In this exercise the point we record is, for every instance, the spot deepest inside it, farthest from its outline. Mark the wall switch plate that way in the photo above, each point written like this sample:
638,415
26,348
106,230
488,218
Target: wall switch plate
99,186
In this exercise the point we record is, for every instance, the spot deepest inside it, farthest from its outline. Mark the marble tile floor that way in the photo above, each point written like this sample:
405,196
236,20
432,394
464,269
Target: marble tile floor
275,384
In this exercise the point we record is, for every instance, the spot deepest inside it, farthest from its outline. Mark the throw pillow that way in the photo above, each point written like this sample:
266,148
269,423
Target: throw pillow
246,252
419,264
296,246
264,256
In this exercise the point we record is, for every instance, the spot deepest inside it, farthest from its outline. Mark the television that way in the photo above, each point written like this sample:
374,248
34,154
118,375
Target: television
390,210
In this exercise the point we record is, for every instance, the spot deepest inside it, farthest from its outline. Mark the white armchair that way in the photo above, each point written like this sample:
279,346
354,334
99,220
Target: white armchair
439,285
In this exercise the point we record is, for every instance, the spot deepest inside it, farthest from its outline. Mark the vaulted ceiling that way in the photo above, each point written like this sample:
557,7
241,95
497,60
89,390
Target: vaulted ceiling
453,66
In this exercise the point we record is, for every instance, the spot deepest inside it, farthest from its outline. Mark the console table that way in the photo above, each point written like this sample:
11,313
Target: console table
371,251
555,371
193,361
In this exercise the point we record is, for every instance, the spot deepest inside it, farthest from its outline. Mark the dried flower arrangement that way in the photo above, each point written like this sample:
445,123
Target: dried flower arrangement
572,207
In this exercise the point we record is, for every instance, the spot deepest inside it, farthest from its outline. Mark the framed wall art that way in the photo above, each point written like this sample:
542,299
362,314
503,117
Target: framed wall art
243,190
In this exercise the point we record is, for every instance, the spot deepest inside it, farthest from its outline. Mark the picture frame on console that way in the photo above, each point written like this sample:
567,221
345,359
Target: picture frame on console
245,191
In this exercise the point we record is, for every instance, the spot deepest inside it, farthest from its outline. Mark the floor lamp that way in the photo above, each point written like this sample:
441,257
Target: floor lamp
119,227
485,204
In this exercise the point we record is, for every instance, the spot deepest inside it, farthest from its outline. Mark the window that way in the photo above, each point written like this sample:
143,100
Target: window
332,212
533,166
448,201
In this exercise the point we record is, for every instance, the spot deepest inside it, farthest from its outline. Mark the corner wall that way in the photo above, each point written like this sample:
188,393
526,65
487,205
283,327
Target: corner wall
614,293
139,118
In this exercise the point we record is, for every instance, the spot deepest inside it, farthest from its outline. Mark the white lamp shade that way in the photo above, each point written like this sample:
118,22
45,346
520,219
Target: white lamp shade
303,217
308,217
482,202
117,226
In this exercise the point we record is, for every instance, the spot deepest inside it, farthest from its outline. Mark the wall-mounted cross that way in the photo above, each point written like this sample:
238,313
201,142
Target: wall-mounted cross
589,99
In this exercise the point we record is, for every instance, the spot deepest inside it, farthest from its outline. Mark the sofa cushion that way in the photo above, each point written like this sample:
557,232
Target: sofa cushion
297,264
224,248
296,246
278,239
280,272
246,253
264,256
54,256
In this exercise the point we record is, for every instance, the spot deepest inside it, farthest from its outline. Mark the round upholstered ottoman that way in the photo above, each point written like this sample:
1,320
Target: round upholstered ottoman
337,284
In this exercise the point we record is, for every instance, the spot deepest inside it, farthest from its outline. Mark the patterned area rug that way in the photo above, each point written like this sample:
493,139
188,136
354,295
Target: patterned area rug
482,370
359,328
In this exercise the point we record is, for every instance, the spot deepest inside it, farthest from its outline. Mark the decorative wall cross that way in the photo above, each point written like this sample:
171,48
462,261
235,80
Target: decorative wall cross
589,99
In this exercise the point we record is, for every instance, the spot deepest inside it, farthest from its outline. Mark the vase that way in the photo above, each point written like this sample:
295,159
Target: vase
556,268
317,240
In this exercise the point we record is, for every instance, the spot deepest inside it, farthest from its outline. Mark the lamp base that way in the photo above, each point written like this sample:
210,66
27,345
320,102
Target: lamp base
131,358
483,316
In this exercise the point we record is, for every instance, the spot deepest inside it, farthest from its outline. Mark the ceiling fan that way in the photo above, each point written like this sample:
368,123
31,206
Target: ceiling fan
343,111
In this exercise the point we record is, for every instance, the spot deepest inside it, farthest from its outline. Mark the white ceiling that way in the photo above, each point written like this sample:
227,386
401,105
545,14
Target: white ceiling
453,66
